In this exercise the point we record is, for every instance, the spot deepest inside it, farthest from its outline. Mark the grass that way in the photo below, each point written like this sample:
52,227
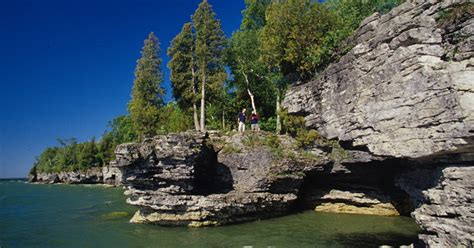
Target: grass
229,149
452,15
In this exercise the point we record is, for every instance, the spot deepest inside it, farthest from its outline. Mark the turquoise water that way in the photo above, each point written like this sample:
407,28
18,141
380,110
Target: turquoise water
94,216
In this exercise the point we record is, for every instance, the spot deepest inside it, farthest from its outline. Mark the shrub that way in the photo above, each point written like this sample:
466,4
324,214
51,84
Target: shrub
272,141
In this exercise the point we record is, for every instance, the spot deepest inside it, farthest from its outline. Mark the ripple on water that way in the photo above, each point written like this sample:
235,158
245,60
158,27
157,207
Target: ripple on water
68,216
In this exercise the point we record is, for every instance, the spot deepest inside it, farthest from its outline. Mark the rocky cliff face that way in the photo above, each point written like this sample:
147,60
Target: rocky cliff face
196,180
100,175
445,199
399,92
405,92
91,176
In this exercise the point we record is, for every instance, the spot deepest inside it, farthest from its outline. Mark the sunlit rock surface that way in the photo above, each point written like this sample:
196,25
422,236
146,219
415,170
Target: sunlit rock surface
406,91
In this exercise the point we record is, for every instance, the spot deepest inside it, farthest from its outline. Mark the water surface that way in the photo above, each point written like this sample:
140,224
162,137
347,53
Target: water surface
94,216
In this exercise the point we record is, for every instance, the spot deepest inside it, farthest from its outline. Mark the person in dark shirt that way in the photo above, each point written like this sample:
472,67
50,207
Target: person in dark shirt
241,120
254,121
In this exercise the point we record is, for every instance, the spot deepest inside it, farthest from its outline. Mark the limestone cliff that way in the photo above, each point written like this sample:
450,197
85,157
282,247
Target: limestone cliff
406,89
405,92
196,180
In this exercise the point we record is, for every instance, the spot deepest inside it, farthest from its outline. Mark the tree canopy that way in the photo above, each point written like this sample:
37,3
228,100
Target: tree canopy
278,42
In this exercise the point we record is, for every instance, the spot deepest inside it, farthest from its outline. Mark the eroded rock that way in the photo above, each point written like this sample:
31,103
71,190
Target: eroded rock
397,93
90,176
196,180
406,91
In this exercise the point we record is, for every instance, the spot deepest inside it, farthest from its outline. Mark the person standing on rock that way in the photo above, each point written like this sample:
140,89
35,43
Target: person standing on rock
254,121
241,120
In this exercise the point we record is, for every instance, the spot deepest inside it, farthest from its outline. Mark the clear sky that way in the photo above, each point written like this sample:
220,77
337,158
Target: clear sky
66,67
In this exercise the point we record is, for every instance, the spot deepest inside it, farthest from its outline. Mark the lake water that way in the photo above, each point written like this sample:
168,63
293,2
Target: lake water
94,216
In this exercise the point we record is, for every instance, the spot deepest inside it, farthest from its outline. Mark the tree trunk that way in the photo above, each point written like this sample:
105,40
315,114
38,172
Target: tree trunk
223,120
250,93
203,96
278,120
195,111
252,100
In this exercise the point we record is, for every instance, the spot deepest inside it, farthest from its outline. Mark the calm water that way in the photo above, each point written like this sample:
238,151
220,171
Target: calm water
94,216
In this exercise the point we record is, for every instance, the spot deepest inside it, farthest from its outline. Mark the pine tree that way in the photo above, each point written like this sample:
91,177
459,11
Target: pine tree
147,94
183,71
209,48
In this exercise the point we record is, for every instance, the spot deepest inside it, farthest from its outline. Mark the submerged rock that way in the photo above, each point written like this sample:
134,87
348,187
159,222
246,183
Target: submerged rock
368,202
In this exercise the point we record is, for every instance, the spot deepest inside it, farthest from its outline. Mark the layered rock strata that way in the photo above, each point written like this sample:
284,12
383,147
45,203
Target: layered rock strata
399,92
406,91
109,175
444,196
91,176
195,180
362,201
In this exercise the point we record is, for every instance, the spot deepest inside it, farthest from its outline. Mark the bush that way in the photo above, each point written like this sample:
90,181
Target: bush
307,137
268,124
272,141
291,124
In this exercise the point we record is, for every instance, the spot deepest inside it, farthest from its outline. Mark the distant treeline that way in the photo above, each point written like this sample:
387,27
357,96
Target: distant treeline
278,42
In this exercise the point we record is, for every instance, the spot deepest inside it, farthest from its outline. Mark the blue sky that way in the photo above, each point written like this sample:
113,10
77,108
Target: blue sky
66,67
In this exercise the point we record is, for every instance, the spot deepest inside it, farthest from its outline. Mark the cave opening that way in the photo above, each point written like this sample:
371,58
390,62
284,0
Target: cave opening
374,181
210,176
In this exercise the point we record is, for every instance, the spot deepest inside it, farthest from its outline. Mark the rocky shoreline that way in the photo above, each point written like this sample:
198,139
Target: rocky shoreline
396,116
98,175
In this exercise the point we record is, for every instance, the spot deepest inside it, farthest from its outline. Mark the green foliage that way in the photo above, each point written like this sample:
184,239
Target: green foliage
230,149
174,119
243,58
307,137
296,127
144,107
272,141
182,68
350,13
254,14
298,36
268,124
291,124
449,16
72,156
303,36
69,156
337,152
209,50
121,131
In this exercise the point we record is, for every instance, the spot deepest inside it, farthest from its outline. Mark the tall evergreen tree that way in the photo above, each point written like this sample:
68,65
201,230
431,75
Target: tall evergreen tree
147,93
183,71
209,51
